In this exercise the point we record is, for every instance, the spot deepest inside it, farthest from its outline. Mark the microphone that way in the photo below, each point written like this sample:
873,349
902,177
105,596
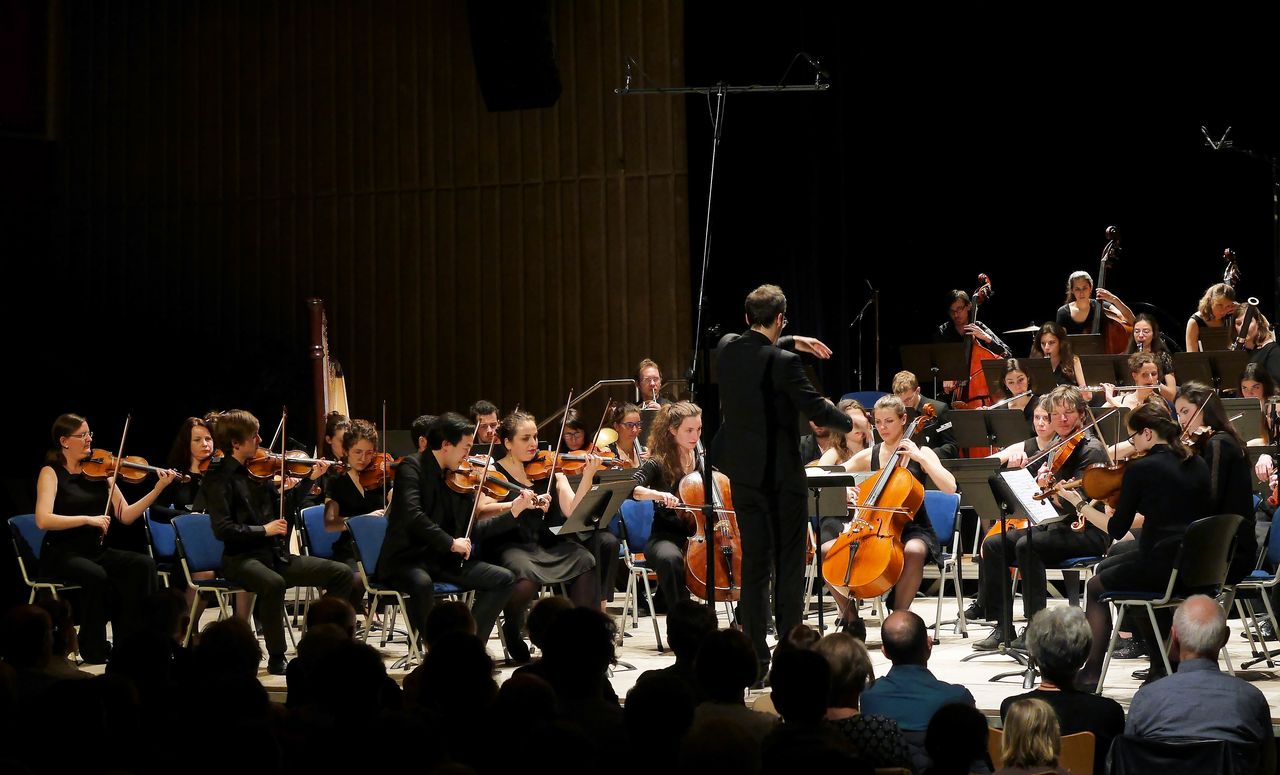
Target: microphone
816,65
861,312
626,84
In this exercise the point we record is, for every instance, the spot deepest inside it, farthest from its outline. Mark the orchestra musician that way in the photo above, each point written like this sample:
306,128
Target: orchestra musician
673,442
816,443
919,541
1145,374
574,436
649,385
1147,338
906,388
1217,308
1014,382
763,392
958,326
484,415
335,427
1051,342
1256,382
245,518
1170,487
74,512
627,424
1076,315
846,446
1037,545
1260,341
522,541
345,497
420,430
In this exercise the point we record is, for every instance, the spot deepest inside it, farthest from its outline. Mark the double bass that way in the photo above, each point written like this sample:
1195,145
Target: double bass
1116,334
866,559
974,392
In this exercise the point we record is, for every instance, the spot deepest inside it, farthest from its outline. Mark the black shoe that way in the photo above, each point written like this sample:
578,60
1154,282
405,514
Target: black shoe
989,643
855,627
1147,675
1129,648
975,612
276,664
1020,642
1265,631
762,681
518,652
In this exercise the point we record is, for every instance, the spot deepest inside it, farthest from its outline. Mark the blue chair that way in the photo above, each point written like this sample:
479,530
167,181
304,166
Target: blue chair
162,543
944,513
1200,567
318,541
1261,582
367,534
200,551
637,517
28,540
867,398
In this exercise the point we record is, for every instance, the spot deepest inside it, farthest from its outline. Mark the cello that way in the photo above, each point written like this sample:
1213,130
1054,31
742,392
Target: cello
866,559
1116,333
723,566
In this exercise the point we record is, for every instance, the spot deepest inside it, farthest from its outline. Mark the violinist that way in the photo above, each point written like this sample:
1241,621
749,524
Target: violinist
427,537
1077,314
246,519
73,511
521,540
345,497
1050,543
574,436
1016,455
763,392
1147,338
673,441
1145,374
1051,342
1217,308
649,385
627,424
958,326
484,416
906,388
1230,478
1170,487
919,541
335,427
848,444
420,429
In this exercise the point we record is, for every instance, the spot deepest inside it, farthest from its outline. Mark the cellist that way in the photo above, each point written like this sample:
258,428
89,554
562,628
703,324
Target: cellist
919,542
1051,543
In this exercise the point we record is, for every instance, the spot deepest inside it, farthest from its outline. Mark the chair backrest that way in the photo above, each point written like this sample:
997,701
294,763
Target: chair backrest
867,398
26,536
162,539
943,508
197,544
367,535
1273,547
1077,752
319,541
995,746
1206,552
638,518
1131,755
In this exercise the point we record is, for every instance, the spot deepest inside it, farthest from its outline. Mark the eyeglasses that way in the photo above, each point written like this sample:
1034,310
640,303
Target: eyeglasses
635,426
573,434
87,435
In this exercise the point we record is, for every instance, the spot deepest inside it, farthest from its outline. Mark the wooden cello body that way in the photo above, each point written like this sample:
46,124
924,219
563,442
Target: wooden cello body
728,541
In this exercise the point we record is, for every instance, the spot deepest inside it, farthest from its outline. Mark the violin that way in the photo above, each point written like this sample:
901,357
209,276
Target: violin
265,465
133,469
383,466
727,584
867,558
1051,488
569,463
466,480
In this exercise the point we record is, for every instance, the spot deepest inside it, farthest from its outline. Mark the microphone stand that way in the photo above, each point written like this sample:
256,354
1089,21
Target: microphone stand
857,321
721,92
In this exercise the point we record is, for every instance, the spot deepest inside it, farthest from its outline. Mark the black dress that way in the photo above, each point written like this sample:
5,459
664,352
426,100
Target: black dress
1231,492
179,498
531,551
351,503
1064,319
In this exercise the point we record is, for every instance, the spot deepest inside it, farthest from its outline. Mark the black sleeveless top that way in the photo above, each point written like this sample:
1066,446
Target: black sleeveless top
77,496
922,516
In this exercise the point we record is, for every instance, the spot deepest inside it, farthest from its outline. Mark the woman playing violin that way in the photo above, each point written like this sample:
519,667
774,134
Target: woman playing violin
1051,342
74,512
574,436
345,497
673,441
1053,543
627,424
1170,487
919,541
1076,315
1017,455
1147,339
524,544
1216,309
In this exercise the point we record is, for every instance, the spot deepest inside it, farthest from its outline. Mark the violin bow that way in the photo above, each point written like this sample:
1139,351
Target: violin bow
111,491
484,476
1036,458
284,413
555,459
382,460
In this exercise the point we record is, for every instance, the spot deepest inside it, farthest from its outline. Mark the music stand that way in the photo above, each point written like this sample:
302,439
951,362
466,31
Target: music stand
935,361
1215,338
827,492
1262,488
1086,344
598,507
1219,369
1249,426
1105,368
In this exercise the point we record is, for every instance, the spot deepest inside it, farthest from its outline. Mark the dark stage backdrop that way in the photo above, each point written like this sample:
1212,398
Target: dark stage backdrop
216,163
960,141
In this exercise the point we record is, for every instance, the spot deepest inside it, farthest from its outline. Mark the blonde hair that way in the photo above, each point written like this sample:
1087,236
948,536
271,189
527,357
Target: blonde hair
1212,294
843,451
890,402
1032,737
904,381
662,443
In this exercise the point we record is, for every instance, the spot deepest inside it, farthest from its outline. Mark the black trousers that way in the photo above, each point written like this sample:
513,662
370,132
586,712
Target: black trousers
603,545
113,580
772,524
492,583
1048,545
270,582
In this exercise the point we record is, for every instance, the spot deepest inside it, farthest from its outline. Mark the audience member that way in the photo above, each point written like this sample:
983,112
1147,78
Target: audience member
876,739
1032,742
726,666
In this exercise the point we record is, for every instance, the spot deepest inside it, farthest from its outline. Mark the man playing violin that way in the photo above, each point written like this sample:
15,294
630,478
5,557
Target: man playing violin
1050,543
245,518
427,533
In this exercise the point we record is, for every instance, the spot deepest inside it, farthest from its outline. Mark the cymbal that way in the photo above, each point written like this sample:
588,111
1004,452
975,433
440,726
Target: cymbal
605,437
1031,329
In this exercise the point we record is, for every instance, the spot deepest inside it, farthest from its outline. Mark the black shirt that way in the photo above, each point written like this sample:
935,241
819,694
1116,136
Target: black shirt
1063,319
1170,493
423,518
665,521
1269,357
240,508
180,498
1231,492
77,496
1087,453
1080,712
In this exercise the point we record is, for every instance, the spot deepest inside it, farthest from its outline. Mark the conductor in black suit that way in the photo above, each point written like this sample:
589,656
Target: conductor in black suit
763,391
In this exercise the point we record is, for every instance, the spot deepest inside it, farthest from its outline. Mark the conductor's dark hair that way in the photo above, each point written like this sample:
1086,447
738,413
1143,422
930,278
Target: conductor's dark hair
764,304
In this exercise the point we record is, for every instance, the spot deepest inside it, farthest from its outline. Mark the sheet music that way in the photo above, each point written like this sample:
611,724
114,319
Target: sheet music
1023,485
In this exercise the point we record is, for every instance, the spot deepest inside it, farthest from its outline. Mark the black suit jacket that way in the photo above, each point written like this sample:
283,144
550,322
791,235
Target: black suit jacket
941,441
420,519
763,392
240,509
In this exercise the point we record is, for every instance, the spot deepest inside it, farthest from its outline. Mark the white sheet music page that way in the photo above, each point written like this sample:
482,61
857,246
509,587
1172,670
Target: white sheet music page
1023,485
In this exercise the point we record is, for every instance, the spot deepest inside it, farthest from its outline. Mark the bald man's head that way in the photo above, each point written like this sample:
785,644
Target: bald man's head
905,639
1199,628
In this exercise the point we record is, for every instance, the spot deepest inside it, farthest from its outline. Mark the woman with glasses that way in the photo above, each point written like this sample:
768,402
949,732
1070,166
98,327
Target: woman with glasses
344,497
74,512
628,449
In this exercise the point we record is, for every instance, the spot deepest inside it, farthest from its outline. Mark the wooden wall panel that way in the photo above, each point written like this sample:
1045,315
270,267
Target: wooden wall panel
223,161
